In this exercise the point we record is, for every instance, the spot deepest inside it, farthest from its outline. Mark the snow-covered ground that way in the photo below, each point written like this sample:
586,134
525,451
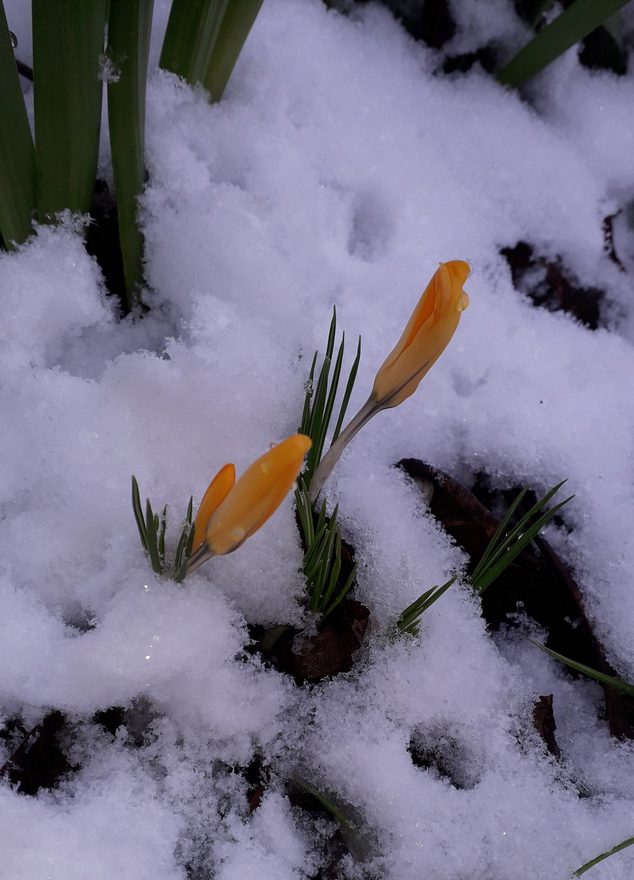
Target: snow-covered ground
339,169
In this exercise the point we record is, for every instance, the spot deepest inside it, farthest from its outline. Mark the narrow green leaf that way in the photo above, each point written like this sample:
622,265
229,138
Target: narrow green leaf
504,547
574,23
623,845
151,525
498,538
611,680
410,618
234,30
320,439
161,536
192,30
303,426
346,397
138,512
17,154
68,44
129,26
511,552
343,592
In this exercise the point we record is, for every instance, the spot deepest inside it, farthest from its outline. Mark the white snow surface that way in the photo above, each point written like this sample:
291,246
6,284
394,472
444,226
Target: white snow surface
338,170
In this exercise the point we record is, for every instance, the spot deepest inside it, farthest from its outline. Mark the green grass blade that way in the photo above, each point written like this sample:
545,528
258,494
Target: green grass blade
324,422
574,23
161,536
68,44
410,618
138,512
343,592
509,553
303,425
623,845
129,25
346,397
234,30
192,31
611,680
17,153
151,530
498,538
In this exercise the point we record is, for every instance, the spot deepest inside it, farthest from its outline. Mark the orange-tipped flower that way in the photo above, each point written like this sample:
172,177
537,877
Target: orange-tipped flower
216,493
257,495
426,336
229,514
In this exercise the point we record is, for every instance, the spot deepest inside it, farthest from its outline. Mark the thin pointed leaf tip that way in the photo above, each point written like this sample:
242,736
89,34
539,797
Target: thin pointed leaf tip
246,506
427,334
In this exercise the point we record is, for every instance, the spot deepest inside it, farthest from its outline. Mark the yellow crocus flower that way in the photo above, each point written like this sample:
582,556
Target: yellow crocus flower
251,501
427,334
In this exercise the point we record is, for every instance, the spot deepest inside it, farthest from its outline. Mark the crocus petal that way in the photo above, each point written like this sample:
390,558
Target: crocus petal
427,334
215,494
257,495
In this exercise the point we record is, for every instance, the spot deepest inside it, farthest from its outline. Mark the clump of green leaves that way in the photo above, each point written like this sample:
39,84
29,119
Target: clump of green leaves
322,563
505,545
57,172
152,527
409,621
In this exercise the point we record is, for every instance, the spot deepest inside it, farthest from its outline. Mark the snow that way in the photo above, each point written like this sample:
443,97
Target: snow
339,170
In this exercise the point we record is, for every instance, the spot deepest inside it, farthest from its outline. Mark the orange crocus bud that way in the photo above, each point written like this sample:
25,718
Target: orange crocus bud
216,493
257,495
427,334
252,500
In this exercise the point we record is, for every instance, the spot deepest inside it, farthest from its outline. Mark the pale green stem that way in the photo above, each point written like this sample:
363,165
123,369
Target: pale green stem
199,558
370,408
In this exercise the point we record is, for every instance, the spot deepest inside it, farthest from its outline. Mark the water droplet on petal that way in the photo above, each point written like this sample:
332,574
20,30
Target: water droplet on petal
463,302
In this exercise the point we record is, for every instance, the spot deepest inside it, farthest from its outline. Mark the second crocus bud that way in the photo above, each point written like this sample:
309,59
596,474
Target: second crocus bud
248,504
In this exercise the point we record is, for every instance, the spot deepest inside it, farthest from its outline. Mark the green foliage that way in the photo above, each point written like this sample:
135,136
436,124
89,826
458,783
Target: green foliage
506,544
192,30
321,534
234,30
17,154
152,528
595,861
204,39
322,561
129,27
502,549
574,23
68,44
409,621
611,680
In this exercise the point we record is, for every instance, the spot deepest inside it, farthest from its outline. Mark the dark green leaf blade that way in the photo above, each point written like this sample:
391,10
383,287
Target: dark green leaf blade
574,23
234,30
68,45
129,26
17,153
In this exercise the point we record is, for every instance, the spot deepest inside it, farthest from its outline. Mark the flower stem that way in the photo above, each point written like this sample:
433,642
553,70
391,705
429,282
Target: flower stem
330,459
